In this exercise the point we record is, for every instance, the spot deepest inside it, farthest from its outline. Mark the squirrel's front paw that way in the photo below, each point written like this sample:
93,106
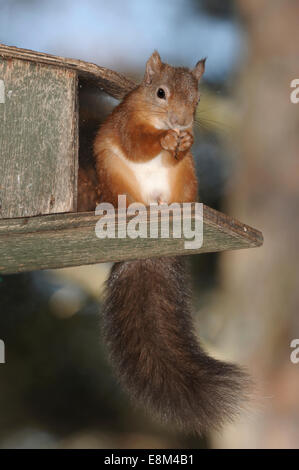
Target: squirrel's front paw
177,142
170,140
185,141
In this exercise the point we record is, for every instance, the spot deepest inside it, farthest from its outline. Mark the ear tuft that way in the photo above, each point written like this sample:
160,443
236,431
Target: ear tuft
153,66
199,68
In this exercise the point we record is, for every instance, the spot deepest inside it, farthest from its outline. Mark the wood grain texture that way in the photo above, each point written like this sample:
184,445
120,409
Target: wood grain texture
107,80
38,143
56,241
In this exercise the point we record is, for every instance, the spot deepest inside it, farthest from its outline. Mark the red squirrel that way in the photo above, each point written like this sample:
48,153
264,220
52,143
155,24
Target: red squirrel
143,151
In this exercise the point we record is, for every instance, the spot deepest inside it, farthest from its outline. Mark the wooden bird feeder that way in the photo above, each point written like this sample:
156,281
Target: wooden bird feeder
40,227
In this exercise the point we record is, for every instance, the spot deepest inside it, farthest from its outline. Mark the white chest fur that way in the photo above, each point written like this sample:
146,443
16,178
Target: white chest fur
153,178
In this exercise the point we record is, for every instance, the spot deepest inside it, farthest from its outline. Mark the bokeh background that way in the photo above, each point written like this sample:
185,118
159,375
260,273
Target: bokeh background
57,389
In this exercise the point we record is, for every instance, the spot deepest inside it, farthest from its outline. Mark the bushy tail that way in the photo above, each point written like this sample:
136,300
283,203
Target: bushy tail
149,332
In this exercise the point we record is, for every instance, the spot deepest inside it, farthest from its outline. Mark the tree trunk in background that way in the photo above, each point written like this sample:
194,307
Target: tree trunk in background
260,287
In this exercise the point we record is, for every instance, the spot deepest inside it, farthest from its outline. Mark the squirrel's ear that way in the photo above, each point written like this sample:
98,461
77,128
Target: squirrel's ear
153,66
199,69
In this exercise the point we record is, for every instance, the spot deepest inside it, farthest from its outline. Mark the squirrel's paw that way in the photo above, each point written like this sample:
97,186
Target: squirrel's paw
176,142
185,141
170,140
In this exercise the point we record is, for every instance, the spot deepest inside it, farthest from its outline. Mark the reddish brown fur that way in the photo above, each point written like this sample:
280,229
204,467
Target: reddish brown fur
148,325
131,128
88,190
140,142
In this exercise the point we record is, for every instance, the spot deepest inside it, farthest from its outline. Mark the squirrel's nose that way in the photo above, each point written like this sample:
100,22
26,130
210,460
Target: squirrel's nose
176,120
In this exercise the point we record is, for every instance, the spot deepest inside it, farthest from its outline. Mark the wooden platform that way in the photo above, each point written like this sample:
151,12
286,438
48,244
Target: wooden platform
55,241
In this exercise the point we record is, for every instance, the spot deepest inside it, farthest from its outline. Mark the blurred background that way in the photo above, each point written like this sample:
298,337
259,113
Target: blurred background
57,388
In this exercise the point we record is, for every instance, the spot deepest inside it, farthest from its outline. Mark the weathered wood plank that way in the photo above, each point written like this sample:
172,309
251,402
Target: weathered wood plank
56,241
111,82
38,139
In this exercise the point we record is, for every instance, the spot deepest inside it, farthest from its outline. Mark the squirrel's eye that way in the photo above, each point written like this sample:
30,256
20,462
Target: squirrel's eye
161,94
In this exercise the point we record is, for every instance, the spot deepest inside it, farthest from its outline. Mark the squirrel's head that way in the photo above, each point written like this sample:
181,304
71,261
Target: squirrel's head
171,93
